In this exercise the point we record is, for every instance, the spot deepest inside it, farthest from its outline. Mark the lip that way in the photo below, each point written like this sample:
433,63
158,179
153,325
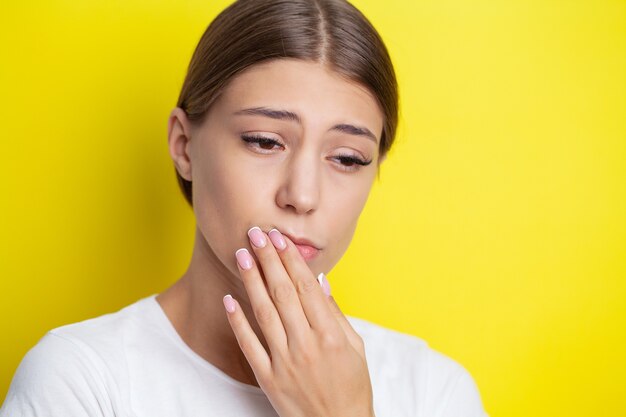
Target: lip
307,249
300,240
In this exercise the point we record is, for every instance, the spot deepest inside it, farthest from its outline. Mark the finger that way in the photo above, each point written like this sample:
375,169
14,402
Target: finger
249,343
280,287
355,339
262,306
311,295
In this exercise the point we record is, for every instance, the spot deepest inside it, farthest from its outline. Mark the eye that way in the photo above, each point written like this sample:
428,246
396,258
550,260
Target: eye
347,162
351,162
263,143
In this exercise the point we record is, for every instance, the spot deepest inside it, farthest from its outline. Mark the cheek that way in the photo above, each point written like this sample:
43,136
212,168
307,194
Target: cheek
225,201
342,224
224,187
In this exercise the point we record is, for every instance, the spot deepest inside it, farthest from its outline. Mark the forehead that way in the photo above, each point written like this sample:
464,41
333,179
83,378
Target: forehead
314,92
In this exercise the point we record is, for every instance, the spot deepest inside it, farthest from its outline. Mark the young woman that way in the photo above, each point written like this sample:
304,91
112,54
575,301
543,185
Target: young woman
287,111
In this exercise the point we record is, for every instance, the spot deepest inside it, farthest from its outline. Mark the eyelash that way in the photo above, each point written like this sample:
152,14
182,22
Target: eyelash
343,158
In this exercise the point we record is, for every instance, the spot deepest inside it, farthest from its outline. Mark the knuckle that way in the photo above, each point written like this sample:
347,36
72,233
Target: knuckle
291,254
250,275
305,357
287,370
264,314
306,286
263,254
294,370
329,341
237,321
245,346
266,381
282,292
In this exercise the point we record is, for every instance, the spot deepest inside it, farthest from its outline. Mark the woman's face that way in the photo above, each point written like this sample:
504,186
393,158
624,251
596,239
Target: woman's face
280,149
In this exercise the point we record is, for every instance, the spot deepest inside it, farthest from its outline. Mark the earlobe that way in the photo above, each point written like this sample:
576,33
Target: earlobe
179,139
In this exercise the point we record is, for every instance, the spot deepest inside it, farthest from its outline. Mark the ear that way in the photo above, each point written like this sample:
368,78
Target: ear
179,140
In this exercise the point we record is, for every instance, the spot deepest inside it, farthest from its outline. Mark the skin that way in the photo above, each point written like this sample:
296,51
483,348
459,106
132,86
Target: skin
297,187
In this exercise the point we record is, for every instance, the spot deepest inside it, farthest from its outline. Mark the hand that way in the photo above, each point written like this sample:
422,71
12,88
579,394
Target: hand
316,365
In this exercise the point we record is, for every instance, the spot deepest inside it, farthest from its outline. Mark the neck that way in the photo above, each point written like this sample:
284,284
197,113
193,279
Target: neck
194,306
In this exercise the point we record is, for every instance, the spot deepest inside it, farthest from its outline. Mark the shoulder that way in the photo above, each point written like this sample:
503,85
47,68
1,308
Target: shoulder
427,381
102,332
103,341
55,377
74,369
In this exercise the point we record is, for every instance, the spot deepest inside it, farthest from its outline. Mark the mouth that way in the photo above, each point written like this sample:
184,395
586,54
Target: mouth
307,249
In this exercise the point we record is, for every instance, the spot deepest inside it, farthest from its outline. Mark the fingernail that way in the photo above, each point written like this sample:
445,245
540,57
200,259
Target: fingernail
244,259
324,283
277,239
256,237
229,303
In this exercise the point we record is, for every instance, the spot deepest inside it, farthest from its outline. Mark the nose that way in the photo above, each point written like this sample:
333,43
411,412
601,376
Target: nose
300,187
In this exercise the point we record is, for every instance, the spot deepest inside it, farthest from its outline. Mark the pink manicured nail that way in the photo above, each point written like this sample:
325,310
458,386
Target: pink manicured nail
244,259
325,284
257,237
277,239
229,303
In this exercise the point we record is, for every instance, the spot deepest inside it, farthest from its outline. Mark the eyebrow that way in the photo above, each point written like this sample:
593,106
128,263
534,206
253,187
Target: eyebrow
293,117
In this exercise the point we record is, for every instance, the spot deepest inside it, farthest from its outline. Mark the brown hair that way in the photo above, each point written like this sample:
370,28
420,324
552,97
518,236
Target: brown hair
247,32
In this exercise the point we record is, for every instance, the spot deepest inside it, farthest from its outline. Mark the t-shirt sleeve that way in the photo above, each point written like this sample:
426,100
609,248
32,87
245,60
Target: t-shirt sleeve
464,398
56,379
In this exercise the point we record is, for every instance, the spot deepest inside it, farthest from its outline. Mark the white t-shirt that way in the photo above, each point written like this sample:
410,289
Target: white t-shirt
134,363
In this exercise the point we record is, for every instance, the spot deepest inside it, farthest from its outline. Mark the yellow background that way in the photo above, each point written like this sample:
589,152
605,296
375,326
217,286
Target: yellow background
497,231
